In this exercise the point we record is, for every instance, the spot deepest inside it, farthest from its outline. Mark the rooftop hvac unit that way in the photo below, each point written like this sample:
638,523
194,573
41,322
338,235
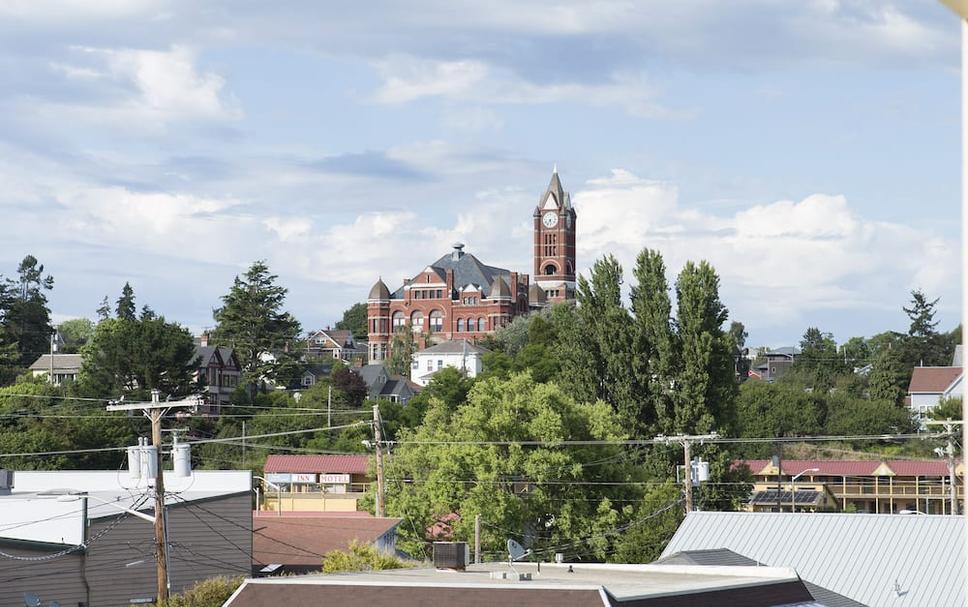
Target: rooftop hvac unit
451,555
6,481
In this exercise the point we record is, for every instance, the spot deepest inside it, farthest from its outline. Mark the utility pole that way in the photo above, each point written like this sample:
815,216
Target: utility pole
949,453
329,406
477,538
155,411
378,440
243,443
686,440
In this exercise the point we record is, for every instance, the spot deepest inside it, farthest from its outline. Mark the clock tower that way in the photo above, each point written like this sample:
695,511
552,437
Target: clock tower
554,242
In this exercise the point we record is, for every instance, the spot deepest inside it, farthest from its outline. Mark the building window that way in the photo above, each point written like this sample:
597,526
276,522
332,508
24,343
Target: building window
550,269
308,380
415,365
440,364
399,320
436,321
471,325
416,321
481,324
430,365
460,325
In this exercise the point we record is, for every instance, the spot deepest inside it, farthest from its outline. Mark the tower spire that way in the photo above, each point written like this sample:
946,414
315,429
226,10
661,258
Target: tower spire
555,169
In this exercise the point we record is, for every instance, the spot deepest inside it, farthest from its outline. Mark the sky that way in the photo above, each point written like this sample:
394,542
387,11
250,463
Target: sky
809,150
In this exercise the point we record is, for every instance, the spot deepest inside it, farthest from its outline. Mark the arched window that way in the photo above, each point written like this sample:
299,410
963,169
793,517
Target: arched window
460,325
399,320
416,320
436,321
550,269
471,325
481,324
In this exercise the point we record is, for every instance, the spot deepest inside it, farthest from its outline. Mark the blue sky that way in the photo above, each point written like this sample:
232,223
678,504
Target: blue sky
810,152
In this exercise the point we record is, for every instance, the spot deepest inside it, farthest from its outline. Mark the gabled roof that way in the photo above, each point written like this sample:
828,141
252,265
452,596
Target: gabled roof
454,346
62,362
319,464
304,540
341,337
467,270
860,556
926,467
221,355
933,379
720,557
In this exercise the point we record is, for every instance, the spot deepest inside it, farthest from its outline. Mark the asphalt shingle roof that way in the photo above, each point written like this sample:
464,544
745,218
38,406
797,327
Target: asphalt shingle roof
62,362
933,379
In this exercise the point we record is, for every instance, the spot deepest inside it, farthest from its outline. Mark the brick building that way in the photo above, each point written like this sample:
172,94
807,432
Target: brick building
460,297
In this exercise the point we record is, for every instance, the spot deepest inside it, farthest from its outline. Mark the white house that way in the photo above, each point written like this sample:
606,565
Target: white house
929,385
457,353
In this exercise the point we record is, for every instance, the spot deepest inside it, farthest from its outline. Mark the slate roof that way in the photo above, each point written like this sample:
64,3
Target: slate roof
859,556
303,540
454,346
719,557
927,467
467,270
318,464
208,352
62,362
933,379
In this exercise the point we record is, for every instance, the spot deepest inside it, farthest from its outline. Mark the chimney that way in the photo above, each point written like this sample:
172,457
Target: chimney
458,251
203,339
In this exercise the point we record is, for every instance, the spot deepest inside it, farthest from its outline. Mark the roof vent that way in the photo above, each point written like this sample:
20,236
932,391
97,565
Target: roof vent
6,481
451,555
458,250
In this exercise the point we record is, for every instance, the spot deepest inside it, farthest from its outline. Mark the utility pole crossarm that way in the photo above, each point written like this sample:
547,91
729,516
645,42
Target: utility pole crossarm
686,440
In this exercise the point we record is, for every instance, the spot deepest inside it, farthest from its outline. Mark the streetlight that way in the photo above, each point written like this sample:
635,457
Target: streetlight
793,486
278,493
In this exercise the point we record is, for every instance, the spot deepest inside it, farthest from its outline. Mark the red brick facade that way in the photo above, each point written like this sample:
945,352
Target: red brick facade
459,297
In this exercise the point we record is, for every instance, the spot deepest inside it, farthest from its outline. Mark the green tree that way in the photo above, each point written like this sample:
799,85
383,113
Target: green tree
777,410
514,486
889,375
925,345
402,348
949,408
126,356
126,309
857,416
705,390
596,349
9,355
355,320
75,332
738,334
104,309
656,344
213,592
653,524
361,557
350,383
27,319
253,323
819,362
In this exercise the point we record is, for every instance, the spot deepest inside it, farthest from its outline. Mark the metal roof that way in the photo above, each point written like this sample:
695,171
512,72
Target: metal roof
454,346
318,464
721,556
860,556
850,467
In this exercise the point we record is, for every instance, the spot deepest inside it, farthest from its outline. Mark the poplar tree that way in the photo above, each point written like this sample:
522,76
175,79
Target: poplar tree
705,391
656,347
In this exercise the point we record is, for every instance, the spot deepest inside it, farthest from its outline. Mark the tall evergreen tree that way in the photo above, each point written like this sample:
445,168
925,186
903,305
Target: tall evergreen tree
705,391
252,321
28,317
104,310
126,309
925,346
655,342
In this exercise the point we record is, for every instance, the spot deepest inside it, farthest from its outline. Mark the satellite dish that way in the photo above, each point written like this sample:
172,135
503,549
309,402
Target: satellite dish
31,599
516,551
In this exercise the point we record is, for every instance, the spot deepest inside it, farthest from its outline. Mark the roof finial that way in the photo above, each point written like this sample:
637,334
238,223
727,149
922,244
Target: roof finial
555,169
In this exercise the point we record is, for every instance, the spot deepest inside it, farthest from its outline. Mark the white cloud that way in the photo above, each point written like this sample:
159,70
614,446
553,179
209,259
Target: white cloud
408,78
779,262
137,88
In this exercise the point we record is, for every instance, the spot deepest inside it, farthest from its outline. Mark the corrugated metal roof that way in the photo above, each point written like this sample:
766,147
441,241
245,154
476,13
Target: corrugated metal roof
318,464
722,557
860,556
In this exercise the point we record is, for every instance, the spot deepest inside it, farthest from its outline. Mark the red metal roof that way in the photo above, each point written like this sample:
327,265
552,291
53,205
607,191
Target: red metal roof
852,467
933,379
318,464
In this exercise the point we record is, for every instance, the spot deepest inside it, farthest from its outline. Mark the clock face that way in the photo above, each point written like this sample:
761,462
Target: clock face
550,219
